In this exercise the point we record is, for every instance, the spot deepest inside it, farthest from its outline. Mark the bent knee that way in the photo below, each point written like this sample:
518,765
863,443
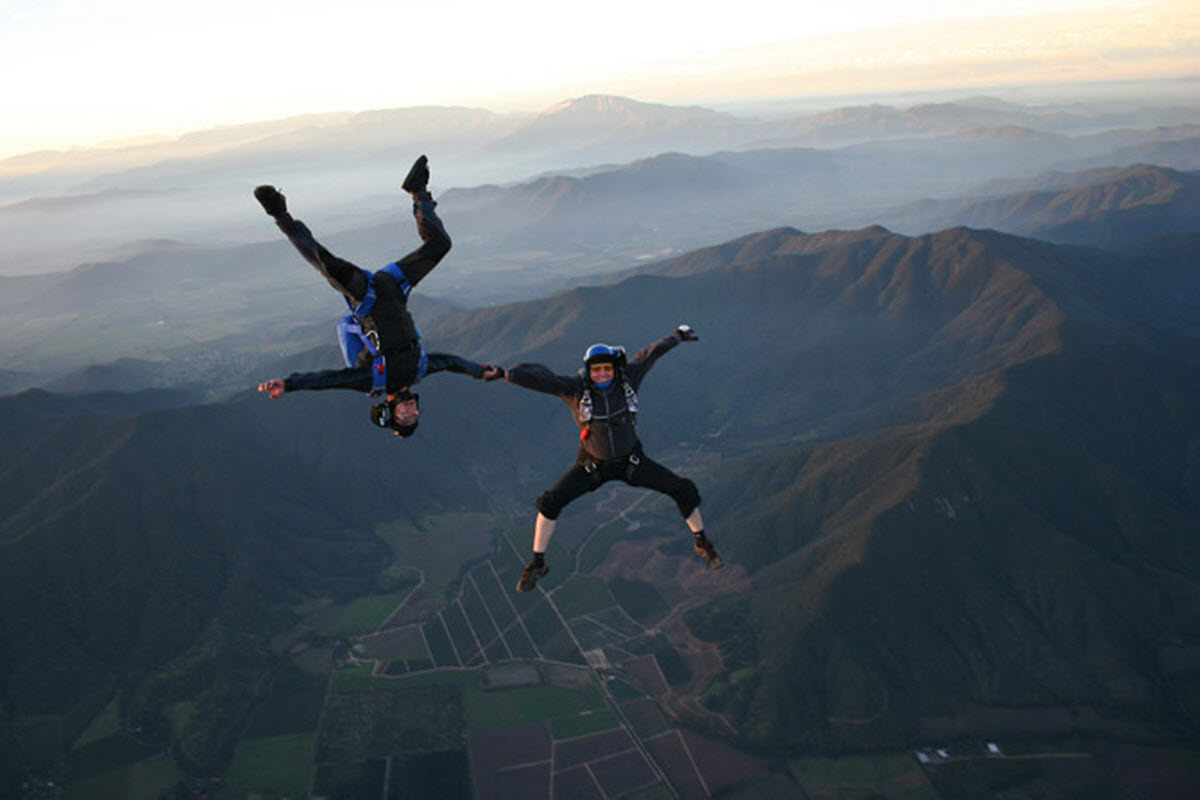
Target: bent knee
548,506
438,245
687,497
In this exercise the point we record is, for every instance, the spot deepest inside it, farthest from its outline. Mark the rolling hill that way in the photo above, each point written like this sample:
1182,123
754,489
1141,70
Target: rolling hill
959,471
1112,207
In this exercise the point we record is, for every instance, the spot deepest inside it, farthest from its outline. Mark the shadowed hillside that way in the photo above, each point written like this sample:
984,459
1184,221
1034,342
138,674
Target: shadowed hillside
1017,451
138,542
1113,208
959,471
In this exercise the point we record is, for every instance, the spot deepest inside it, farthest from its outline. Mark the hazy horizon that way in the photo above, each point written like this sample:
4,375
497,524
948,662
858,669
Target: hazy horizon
93,76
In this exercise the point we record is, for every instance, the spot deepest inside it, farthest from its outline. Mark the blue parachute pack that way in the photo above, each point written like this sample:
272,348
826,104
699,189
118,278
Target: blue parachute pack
353,339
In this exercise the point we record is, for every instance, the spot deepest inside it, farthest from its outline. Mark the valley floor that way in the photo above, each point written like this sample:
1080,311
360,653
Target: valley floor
587,687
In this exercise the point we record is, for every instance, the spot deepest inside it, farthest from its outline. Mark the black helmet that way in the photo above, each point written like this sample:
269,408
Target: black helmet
383,415
600,353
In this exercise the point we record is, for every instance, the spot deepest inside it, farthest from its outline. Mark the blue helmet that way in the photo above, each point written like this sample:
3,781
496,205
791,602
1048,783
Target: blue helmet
599,352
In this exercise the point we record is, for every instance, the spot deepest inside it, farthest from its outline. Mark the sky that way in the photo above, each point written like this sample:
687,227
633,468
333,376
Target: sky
82,73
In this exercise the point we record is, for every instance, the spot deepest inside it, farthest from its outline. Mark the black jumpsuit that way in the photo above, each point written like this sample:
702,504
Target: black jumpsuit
609,446
399,339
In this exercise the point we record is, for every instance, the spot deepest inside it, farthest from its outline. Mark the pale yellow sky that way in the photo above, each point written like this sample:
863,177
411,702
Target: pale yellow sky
79,72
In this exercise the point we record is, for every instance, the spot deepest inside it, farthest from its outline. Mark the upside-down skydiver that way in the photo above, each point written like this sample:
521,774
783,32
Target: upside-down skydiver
380,342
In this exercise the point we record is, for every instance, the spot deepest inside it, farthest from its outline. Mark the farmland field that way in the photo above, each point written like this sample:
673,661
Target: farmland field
583,595
273,765
508,707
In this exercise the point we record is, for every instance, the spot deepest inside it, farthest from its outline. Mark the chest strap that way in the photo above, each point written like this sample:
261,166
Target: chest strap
587,407
361,311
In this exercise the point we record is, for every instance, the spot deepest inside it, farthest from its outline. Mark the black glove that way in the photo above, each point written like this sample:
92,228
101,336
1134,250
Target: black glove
686,334
274,203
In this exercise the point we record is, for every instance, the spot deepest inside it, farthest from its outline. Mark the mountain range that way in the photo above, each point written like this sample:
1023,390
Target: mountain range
947,444
1114,207
958,471
61,209
535,238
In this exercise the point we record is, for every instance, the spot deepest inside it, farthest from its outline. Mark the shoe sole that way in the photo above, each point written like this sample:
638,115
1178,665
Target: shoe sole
534,584
409,185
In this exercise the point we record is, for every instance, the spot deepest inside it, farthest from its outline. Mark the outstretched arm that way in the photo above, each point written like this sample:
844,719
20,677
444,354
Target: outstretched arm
273,388
541,379
354,378
641,362
448,362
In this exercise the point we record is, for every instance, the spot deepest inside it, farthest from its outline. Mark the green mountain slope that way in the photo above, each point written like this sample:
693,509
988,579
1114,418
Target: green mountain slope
1036,562
1112,207
133,540
960,470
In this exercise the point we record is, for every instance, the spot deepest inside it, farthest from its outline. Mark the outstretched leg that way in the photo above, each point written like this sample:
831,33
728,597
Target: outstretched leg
652,475
435,241
347,278
575,481
537,567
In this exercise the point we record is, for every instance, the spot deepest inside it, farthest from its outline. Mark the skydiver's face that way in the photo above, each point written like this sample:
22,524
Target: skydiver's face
406,412
601,373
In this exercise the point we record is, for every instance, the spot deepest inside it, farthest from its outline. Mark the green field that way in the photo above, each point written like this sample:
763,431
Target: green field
1050,775
581,595
104,724
364,614
272,766
583,723
640,600
600,542
495,710
110,753
439,545
896,776
539,618
357,678
293,706
146,780
441,677
370,725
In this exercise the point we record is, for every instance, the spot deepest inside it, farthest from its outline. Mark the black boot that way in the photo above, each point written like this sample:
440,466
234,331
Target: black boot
418,176
533,570
272,201
705,549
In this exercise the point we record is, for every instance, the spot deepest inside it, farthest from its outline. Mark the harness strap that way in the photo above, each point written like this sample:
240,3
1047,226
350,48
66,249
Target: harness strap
587,408
398,275
362,309
365,330
631,465
379,375
378,362
595,469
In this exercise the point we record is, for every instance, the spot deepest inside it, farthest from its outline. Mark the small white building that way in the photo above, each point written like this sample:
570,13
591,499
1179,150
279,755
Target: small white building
993,749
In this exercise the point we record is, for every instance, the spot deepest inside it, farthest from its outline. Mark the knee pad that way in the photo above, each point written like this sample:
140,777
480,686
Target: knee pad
548,506
687,497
